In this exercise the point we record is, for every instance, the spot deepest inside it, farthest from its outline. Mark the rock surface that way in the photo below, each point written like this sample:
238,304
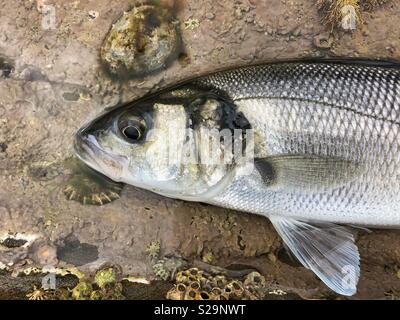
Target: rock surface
51,82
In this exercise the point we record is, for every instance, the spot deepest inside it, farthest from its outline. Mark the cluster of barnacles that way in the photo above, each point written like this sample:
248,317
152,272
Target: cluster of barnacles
196,284
104,287
346,14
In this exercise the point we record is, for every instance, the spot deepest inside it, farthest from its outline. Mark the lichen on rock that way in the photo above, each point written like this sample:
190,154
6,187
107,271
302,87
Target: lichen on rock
153,249
104,277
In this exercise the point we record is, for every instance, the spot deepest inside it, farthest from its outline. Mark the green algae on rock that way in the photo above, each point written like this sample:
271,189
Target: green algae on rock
105,276
143,40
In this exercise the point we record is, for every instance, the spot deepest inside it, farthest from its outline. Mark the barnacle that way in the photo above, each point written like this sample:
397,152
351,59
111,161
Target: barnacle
111,291
207,257
104,277
82,291
393,294
254,284
277,292
192,24
37,294
144,39
182,277
195,284
87,186
153,249
341,13
177,292
96,295
235,288
254,279
105,287
85,96
62,294
31,270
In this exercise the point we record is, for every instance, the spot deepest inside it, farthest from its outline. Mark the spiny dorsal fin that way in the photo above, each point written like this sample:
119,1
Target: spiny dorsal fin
306,172
325,248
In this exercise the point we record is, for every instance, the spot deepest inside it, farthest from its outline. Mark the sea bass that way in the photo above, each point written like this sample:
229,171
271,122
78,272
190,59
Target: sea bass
324,145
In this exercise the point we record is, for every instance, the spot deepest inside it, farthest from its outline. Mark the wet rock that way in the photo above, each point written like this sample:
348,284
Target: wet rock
210,15
77,253
140,291
37,124
71,96
372,4
143,40
296,31
44,253
6,67
3,147
43,170
93,14
269,30
323,41
12,243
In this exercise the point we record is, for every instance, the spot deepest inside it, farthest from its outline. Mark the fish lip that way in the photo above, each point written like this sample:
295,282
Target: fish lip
80,149
89,151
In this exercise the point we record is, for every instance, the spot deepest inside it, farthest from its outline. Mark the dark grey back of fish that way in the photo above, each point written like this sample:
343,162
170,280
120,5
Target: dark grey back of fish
367,89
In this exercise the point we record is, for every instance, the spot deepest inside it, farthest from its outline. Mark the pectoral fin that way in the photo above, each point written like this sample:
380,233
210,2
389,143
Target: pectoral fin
325,248
306,172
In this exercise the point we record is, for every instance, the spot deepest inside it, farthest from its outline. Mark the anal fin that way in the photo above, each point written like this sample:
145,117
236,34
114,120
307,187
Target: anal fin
325,248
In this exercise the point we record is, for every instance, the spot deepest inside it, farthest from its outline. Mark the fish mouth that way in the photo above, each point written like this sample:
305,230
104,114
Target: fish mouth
90,152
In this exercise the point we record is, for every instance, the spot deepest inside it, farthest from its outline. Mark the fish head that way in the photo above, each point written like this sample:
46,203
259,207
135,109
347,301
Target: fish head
161,144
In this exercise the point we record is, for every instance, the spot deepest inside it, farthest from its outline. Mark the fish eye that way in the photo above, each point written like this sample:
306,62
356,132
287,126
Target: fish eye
132,130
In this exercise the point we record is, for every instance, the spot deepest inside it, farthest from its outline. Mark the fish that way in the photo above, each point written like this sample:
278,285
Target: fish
312,145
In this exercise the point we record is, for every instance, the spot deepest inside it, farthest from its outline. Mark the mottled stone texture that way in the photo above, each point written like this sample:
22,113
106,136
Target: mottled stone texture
51,83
